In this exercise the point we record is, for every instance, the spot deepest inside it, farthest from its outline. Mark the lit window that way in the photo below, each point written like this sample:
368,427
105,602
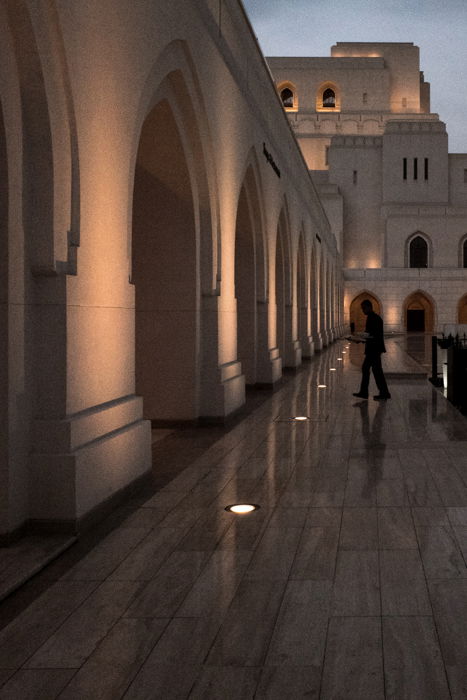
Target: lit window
287,97
329,98
418,252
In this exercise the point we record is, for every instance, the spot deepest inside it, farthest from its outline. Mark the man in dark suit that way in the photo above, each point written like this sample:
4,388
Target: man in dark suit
374,347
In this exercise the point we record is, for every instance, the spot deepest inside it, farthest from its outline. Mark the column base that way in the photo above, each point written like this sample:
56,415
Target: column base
83,460
308,348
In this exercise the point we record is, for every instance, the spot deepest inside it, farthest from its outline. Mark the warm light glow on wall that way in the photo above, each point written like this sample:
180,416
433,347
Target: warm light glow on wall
392,315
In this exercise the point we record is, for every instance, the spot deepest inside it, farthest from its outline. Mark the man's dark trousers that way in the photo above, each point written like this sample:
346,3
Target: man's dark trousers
373,361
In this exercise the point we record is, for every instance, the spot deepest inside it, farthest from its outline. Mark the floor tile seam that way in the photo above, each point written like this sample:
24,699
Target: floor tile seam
118,618
132,675
59,625
279,607
276,617
433,472
223,617
430,599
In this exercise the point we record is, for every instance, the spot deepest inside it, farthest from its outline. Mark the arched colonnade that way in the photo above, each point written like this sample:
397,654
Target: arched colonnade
151,267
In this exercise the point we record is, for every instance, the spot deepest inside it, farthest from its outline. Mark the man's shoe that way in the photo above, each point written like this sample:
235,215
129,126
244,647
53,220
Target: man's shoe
382,397
361,396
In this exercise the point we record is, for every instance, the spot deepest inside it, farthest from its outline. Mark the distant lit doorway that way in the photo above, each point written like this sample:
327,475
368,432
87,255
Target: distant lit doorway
416,320
419,313
357,317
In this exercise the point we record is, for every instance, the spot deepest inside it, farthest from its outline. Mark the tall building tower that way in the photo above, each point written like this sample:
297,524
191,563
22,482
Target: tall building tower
395,198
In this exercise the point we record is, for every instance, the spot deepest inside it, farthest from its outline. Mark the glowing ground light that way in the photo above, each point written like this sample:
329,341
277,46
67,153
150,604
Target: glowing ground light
241,508
339,359
332,369
321,386
300,418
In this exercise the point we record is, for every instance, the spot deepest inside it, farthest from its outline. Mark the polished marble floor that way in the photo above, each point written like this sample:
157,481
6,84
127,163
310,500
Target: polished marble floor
350,581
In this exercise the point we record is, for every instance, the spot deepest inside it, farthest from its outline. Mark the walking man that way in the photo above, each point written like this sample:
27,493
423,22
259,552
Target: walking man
374,346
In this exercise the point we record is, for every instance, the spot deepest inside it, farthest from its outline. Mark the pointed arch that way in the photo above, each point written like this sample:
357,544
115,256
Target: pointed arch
303,296
283,284
174,77
250,275
328,97
288,95
314,295
356,315
419,251
419,312
174,257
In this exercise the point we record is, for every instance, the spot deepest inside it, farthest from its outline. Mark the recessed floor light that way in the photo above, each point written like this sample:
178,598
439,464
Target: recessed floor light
241,508
344,352
300,418
339,359
321,386
332,369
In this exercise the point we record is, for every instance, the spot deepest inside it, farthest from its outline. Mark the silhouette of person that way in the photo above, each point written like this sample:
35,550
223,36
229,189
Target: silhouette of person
374,347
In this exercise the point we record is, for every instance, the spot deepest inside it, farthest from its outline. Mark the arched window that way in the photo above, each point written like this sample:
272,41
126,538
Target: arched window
418,252
464,254
329,98
287,97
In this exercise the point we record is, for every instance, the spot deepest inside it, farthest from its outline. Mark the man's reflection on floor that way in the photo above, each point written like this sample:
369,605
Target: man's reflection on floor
372,434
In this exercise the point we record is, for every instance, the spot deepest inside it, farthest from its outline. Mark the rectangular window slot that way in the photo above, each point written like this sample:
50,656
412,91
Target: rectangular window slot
326,156
404,168
426,168
365,98
355,177
465,175
415,168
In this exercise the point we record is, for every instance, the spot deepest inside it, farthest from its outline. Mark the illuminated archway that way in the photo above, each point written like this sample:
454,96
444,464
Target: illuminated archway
419,313
249,278
302,299
283,290
289,96
165,272
328,97
357,317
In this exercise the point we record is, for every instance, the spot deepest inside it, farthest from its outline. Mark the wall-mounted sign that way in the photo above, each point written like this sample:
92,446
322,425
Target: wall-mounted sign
271,161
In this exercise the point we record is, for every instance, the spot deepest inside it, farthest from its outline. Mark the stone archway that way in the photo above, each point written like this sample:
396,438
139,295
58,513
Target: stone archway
418,313
249,279
302,299
165,272
357,317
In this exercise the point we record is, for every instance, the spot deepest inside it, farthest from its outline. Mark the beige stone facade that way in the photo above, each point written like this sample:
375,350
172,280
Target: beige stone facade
380,161
163,244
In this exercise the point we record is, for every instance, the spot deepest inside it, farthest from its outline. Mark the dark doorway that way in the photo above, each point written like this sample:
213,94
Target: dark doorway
416,320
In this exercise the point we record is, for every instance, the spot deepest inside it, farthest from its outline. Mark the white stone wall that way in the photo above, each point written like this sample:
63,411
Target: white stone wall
392,288
193,81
